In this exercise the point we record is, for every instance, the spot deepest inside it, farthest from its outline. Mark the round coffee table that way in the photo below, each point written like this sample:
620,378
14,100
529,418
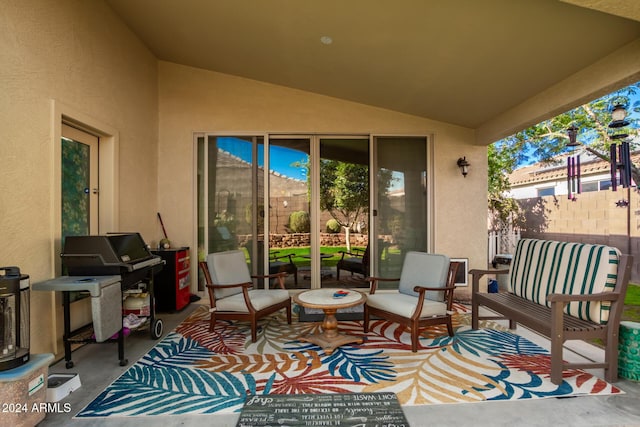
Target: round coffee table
323,299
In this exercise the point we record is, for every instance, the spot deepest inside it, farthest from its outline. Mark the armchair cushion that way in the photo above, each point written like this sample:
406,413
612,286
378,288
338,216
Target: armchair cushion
228,268
260,299
405,305
424,269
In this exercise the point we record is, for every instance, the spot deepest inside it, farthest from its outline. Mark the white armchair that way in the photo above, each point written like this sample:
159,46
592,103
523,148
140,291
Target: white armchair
424,297
231,293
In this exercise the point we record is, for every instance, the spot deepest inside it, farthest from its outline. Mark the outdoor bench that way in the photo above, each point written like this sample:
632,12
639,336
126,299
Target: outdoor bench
565,291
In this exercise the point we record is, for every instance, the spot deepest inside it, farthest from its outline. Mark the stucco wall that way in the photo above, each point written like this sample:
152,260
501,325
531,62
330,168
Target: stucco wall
197,100
79,54
593,218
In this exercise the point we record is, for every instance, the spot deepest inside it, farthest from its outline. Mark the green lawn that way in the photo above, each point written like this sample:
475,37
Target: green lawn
301,261
631,310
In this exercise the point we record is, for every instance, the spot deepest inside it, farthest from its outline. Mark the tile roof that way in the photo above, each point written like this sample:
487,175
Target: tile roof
543,172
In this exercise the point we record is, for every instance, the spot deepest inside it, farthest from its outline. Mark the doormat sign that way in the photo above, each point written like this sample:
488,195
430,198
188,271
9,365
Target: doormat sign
311,410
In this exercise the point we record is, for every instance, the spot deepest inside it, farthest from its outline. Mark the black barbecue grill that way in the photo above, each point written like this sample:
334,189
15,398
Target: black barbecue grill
106,266
124,254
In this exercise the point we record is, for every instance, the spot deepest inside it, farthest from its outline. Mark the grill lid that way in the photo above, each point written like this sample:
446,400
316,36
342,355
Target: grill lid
106,254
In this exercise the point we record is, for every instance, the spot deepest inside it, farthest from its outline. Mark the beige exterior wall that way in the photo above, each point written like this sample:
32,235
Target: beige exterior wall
197,100
592,218
80,55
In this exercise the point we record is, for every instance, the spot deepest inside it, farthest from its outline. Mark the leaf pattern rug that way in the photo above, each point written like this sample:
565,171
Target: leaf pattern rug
194,371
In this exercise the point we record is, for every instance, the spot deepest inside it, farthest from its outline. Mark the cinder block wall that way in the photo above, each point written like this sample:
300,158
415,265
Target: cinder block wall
593,217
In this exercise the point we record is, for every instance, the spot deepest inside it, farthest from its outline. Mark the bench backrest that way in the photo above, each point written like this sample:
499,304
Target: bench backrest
543,267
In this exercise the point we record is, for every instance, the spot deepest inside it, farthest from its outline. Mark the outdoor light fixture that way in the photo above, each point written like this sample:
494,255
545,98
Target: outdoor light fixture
572,131
463,164
618,115
619,154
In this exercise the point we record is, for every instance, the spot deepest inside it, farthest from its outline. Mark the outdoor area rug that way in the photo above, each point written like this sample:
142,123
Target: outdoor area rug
194,371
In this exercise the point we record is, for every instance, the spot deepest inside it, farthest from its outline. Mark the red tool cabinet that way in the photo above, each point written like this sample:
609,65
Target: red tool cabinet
172,284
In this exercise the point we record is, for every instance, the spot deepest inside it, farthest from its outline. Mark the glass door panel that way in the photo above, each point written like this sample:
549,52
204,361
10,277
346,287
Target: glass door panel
290,234
344,212
79,196
402,201
230,196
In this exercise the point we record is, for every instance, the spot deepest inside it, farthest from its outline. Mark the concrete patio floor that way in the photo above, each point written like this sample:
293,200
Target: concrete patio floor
98,366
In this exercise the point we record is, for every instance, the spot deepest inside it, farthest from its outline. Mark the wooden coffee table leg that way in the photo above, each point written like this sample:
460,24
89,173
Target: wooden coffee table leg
330,324
330,339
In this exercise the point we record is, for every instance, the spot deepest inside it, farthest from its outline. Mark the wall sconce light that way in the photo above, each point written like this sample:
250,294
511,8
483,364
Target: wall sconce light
463,164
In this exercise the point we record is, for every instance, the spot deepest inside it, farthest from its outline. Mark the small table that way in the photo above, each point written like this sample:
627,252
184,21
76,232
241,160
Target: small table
330,338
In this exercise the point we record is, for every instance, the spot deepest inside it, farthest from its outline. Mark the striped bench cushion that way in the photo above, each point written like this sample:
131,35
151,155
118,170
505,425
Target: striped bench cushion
542,267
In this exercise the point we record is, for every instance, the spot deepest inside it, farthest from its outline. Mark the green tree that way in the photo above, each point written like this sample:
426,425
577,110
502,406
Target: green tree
501,163
344,192
549,138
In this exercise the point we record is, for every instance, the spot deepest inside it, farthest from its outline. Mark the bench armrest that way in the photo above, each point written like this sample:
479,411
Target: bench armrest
566,298
477,273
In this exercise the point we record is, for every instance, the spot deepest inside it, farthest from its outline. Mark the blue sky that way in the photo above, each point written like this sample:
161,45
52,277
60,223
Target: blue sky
586,137
282,159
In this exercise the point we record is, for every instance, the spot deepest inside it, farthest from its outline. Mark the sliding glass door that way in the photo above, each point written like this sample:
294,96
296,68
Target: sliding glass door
402,201
331,220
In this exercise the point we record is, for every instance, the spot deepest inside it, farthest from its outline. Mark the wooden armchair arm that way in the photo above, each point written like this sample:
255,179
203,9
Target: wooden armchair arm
423,289
274,257
280,276
233,285
355,252
374,282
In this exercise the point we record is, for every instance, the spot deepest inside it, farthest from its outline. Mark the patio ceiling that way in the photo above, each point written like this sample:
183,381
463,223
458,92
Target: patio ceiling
463,62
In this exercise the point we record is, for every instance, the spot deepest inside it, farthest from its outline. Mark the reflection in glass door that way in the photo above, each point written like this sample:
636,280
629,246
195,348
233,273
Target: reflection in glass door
344,212
291,240
402,200
318,210
230,197
79,193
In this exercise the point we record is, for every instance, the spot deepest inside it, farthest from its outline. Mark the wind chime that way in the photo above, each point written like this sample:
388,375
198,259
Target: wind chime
573,166
619,153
